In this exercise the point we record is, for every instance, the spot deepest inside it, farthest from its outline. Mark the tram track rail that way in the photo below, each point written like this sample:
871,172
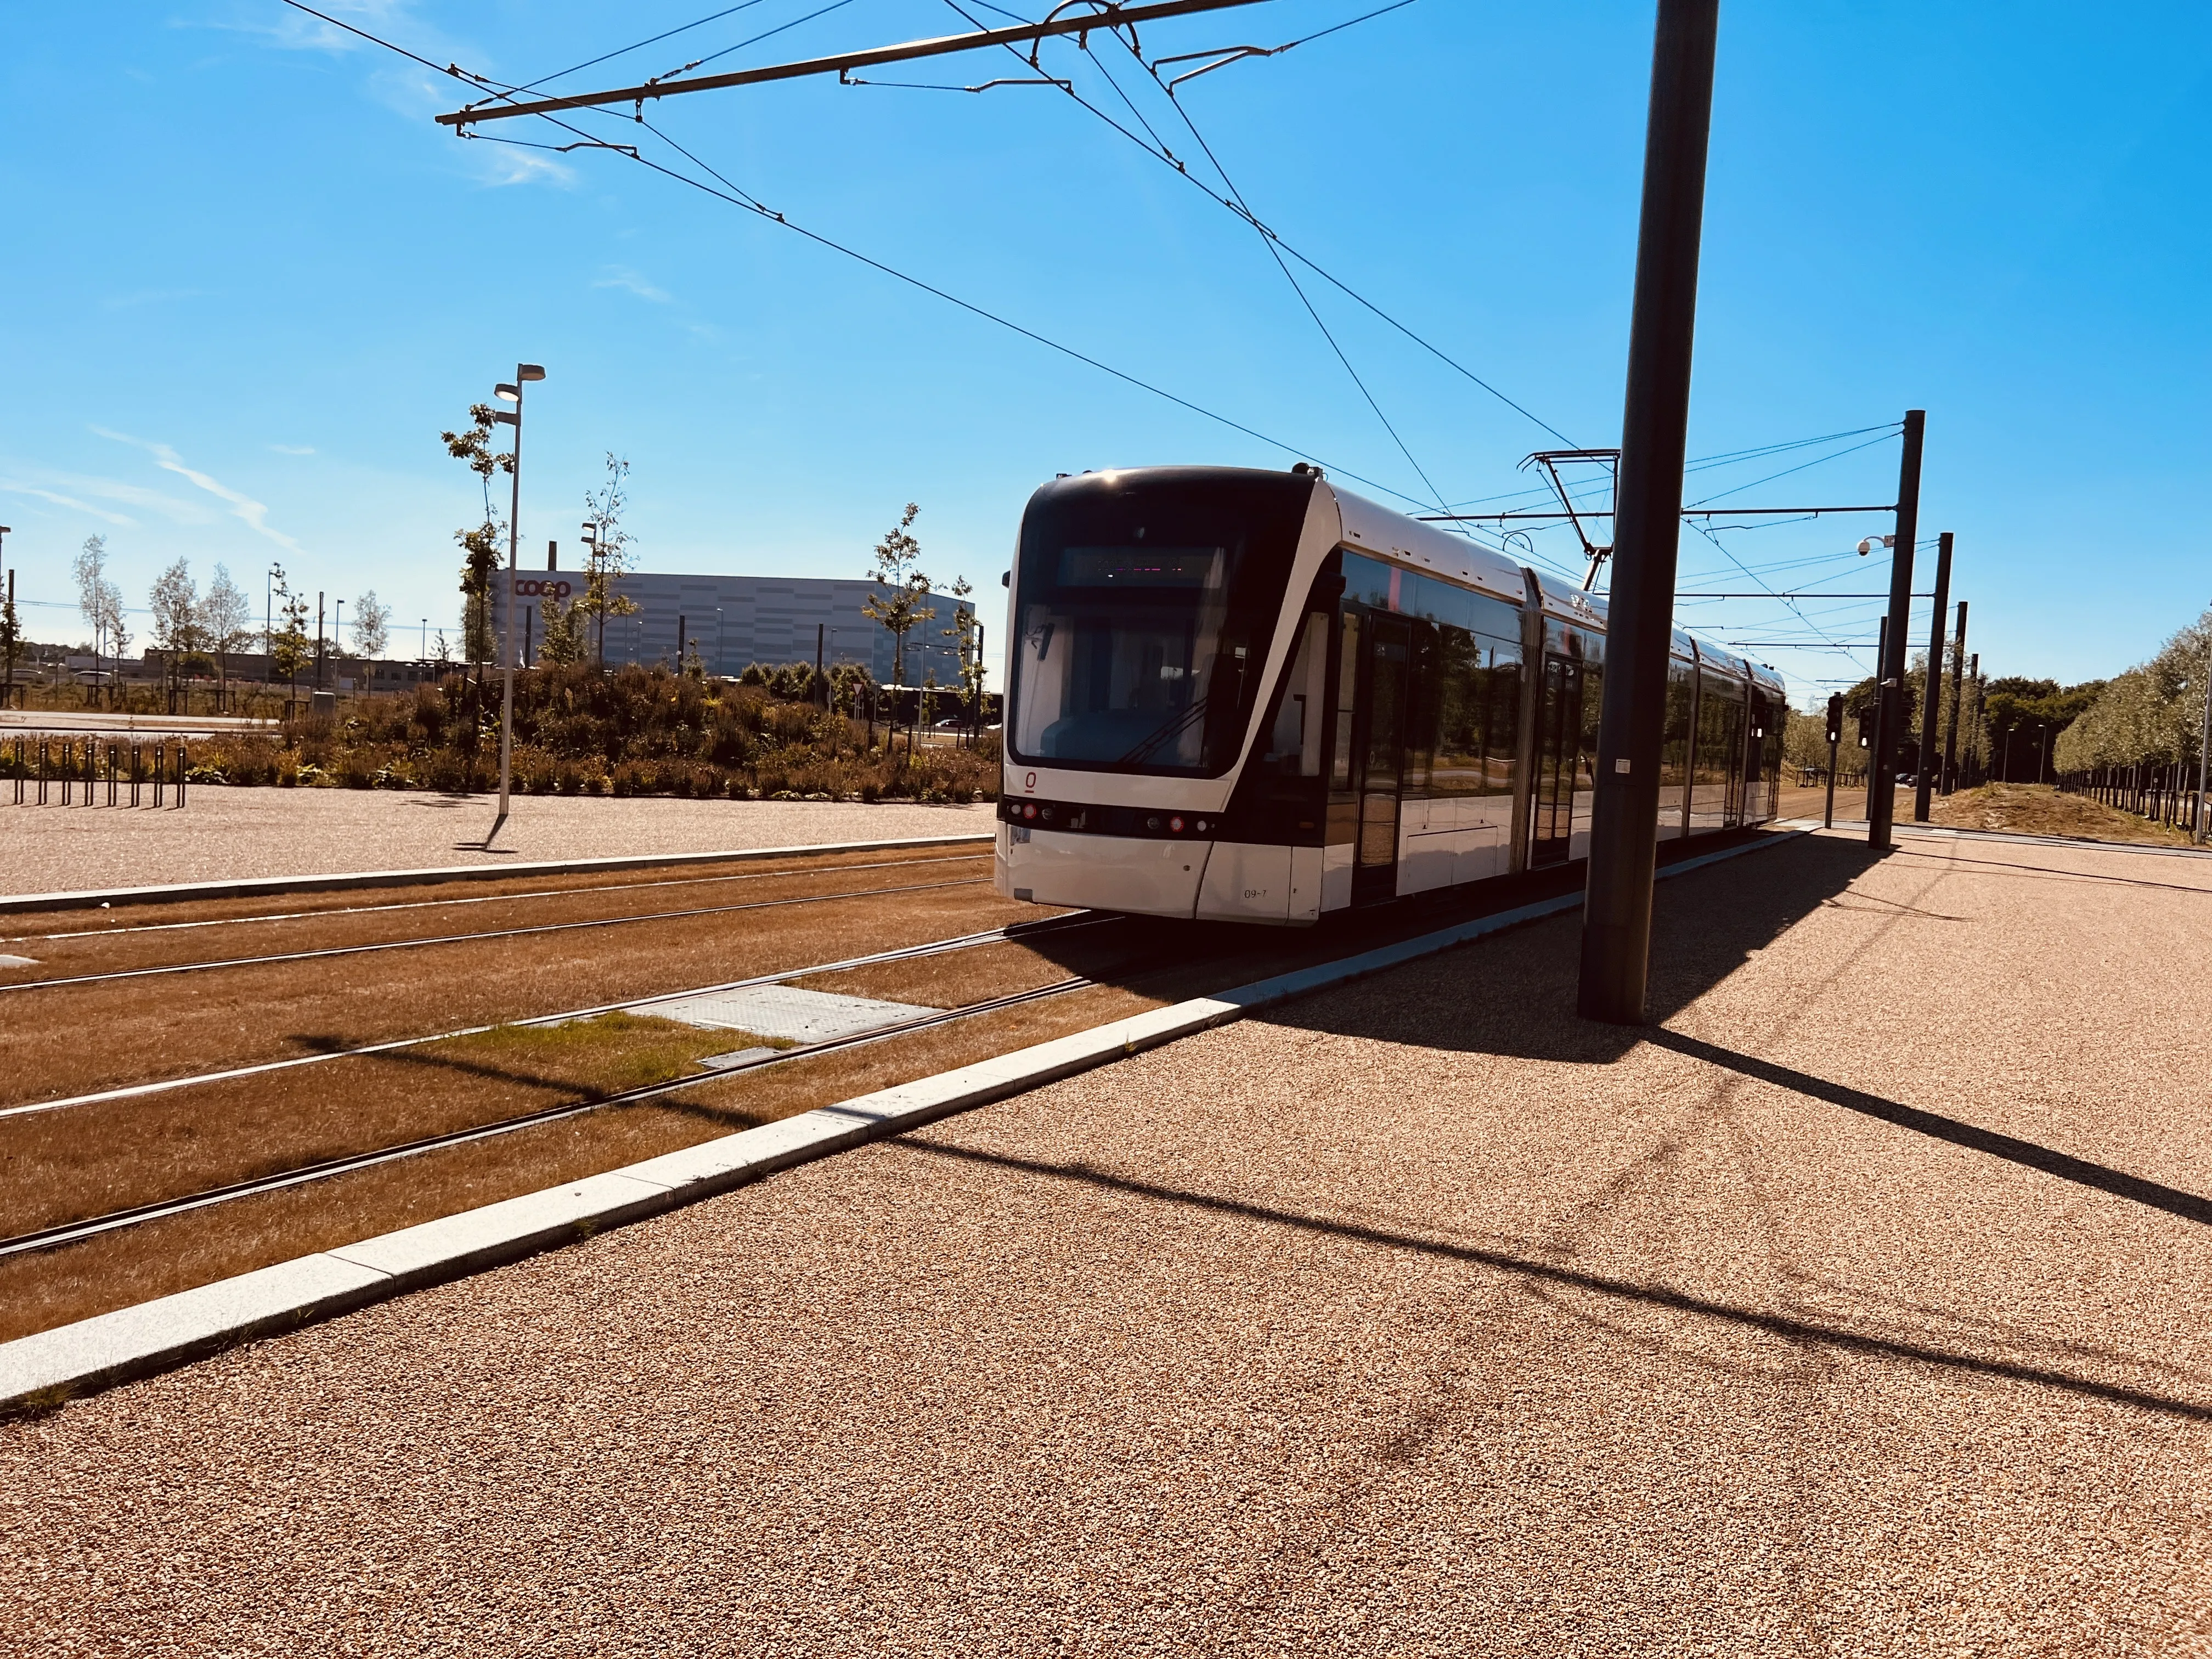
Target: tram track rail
129,929
1014,932
327,952
67,1233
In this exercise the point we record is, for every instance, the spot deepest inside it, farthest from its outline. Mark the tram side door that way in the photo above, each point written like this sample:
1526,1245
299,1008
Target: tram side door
1751,797
1746,753
1558,752
1382,756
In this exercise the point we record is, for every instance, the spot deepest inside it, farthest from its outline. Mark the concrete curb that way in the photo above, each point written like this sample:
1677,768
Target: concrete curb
245,887
40,1371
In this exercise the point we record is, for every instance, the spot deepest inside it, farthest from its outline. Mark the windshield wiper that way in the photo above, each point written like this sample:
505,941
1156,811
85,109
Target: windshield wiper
1173,729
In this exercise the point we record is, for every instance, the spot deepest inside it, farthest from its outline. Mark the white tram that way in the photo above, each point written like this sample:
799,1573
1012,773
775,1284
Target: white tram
1240,695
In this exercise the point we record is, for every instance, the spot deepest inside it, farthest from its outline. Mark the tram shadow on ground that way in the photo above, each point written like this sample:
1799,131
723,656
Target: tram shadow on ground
1514,994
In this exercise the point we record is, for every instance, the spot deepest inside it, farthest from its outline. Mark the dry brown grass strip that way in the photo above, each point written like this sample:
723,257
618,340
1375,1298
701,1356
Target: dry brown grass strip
41,1290
101,1037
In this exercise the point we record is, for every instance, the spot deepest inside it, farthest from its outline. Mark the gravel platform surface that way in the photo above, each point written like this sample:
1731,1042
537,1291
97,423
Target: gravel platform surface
1864,1308
229,834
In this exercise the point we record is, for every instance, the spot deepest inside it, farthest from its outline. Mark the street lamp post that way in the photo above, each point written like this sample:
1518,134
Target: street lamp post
523,373
591,533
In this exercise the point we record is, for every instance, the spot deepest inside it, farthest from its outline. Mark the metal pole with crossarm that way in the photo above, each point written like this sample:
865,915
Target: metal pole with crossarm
1931,703
1889,666
1616,945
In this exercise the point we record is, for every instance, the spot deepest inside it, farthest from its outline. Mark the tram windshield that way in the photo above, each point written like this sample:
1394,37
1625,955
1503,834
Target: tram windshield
1146,612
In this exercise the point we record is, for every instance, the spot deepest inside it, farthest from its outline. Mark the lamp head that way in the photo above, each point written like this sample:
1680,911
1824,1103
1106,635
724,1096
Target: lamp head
507,393
529,372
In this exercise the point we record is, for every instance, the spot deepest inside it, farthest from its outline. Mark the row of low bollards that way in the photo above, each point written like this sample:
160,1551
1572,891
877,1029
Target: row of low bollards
77,771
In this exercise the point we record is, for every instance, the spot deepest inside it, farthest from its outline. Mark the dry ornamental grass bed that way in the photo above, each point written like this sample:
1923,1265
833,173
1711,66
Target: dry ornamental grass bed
2038,809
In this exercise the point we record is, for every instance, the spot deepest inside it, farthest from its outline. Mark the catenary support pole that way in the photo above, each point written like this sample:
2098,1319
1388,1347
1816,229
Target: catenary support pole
1835,742
1869,734
1931,701
1978,729
1951,731
1889,670
1616,944
2204,739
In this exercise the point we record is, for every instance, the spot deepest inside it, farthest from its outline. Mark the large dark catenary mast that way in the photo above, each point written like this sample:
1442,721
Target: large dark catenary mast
1951,729
1648,517
1931,703
1889,666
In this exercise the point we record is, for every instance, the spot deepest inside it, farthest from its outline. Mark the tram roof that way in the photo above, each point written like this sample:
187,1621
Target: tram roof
1377,529
1381,530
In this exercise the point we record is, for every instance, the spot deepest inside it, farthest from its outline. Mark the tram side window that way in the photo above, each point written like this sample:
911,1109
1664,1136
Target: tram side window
1477,704
1501,704
1593,707
1425,693
1294,741
1720,726
1674,744
1347,698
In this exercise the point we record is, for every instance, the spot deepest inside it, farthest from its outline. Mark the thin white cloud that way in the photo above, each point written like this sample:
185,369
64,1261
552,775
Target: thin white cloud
630,281
244,507
294,31
294,449
60,500
498,165
78,485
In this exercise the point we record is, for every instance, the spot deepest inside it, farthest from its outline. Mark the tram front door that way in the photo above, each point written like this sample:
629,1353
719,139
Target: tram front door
1558,756
1382,756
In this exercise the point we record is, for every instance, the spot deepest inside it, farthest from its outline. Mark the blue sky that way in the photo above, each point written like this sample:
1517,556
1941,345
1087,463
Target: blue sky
249,280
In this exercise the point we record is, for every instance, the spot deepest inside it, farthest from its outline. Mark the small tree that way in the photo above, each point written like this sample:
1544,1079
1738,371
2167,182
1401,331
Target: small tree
227,625
100,601
372,624
562,638
963,634
290,649
606,554
177,631
480,544
850,687
10,643
900,606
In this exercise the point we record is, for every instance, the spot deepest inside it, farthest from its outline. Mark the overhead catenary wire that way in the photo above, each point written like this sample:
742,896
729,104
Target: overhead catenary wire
736,196
1157,148
1166,155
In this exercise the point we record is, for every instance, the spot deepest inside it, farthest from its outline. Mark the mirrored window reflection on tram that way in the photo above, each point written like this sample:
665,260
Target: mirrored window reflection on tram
1675,748
1716,791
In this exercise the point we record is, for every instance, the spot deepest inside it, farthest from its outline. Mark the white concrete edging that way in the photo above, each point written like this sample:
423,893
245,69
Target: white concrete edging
247,886
44,1369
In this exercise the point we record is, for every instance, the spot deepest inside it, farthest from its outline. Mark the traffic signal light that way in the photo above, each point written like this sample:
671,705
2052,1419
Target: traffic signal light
1836,719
